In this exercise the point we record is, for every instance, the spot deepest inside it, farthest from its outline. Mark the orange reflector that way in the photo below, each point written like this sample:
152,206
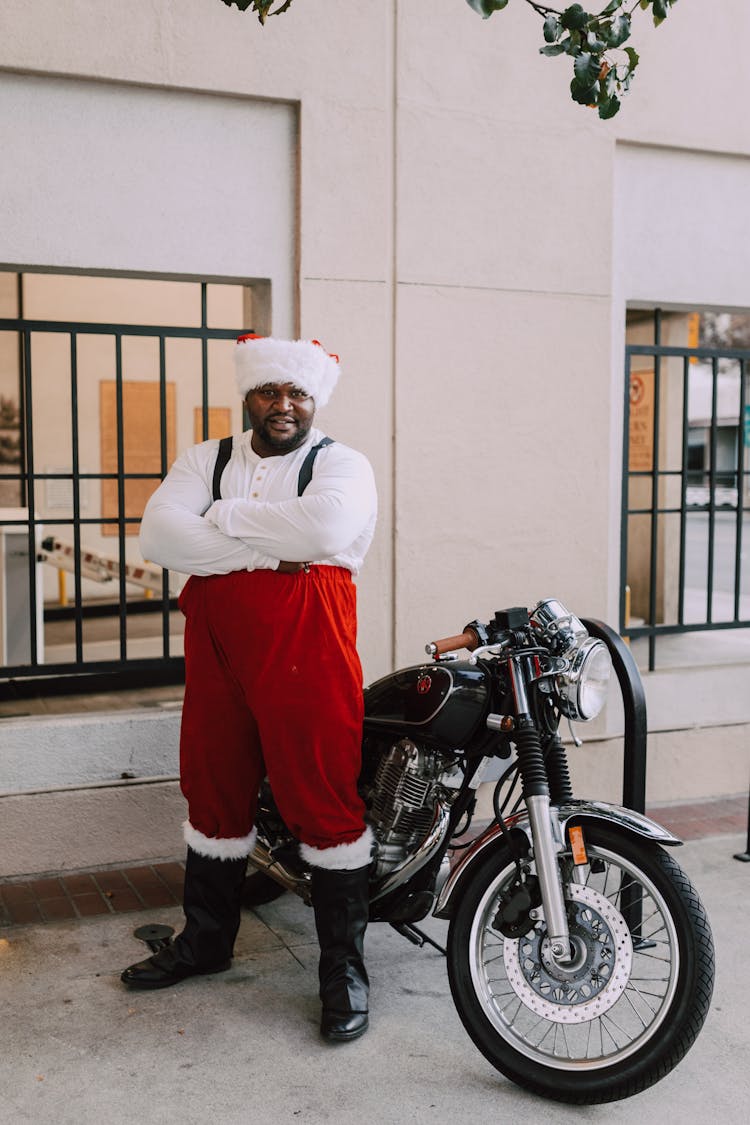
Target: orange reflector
577,845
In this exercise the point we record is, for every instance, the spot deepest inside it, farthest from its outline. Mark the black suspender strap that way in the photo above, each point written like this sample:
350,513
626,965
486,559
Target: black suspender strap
225,452
305,473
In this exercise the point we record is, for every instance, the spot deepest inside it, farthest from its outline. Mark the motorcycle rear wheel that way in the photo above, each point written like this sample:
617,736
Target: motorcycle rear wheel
634,998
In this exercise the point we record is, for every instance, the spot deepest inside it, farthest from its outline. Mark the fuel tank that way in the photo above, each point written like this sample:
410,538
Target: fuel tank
444,703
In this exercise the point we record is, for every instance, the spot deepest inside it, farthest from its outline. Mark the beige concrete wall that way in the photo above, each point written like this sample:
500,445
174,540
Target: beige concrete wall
501,327
678,100
455,246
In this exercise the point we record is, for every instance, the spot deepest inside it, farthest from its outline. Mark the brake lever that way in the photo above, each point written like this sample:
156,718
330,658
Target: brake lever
492,650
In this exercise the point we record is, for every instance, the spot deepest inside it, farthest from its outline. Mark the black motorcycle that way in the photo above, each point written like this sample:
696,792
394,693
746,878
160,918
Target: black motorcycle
579,955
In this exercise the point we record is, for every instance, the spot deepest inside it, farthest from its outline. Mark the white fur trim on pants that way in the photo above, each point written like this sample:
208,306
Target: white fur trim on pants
341,857
214,847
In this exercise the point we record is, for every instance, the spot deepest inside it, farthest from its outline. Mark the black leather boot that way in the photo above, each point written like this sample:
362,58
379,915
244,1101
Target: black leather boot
212,917
260,888
341,903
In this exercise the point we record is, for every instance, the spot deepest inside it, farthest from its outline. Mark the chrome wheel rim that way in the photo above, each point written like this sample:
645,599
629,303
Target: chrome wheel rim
617,991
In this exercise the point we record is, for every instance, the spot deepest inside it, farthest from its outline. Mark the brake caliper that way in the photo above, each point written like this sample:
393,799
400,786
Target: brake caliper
513,915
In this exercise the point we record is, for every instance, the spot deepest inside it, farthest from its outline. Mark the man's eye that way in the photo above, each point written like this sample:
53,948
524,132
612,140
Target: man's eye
274,392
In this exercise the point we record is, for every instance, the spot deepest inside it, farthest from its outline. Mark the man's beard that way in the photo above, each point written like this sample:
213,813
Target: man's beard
284,443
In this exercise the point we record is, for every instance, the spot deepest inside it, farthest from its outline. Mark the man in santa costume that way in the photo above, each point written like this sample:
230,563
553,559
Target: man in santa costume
273,683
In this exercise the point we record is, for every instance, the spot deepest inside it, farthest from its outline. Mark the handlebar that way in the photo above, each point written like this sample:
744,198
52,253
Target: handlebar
468,639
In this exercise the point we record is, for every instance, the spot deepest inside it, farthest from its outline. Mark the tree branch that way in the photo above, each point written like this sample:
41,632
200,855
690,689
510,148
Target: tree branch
599,80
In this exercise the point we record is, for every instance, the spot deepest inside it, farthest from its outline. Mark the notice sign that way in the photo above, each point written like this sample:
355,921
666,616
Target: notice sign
219,422
141,439
641,439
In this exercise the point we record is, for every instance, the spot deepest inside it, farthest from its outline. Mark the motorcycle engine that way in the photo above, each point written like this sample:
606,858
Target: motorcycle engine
402,799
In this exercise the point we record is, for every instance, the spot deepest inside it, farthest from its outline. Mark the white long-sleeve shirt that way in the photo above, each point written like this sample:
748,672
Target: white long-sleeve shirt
261,520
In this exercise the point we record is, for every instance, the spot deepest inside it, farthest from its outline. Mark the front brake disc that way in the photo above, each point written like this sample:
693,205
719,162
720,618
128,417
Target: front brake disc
596,975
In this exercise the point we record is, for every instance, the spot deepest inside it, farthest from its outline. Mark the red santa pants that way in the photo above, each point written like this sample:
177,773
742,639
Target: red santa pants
273,687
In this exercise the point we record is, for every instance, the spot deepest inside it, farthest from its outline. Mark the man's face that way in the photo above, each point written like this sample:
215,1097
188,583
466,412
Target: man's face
281,415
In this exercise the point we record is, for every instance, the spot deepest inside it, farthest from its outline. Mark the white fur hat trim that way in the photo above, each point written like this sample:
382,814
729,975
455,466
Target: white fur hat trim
306,363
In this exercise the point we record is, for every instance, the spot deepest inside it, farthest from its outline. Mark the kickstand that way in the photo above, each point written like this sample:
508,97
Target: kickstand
155,936
416,936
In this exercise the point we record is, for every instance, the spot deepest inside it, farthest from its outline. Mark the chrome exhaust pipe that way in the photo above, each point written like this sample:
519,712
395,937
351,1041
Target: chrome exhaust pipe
401,874
263,860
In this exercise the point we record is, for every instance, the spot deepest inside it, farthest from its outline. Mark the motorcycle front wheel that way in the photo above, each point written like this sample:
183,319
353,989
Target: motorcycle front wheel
626,1007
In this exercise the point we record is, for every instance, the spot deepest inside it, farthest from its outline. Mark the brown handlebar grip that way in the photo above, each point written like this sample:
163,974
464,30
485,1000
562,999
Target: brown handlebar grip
467,639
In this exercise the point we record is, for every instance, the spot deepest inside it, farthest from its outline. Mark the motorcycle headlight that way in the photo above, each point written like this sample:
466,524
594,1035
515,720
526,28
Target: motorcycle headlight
582,689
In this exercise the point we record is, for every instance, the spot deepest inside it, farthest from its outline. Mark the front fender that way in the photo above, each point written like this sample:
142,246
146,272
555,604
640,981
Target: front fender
629,821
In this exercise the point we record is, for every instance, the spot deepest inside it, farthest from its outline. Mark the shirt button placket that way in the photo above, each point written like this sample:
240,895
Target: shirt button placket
258,482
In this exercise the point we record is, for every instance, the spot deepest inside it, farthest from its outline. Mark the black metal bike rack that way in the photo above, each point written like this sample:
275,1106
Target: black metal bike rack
744,857
634,752
634,707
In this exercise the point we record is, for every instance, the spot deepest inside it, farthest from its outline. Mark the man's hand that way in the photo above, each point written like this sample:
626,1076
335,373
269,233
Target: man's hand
290,567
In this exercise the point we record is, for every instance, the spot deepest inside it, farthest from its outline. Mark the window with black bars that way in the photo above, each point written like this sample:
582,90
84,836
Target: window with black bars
685,546
92,412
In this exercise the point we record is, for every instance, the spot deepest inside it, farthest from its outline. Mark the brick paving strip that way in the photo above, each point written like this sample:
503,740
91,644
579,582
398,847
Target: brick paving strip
723,817
127,889
82,895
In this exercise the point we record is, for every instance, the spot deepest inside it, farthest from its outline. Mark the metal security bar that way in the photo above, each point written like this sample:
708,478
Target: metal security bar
684,519
81,673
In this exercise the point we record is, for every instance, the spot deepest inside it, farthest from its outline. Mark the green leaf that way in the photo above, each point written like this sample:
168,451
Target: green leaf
552,49
574,17
611,83
485,8
261,7
584,95
594,43
586,68
619,31
609,107
633,56
660,11
611,7
552,28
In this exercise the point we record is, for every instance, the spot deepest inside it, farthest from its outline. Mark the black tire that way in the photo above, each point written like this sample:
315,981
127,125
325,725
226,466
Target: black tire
634,1005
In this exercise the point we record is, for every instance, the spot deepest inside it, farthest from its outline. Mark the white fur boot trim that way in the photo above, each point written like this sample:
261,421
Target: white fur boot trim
215,847
341,857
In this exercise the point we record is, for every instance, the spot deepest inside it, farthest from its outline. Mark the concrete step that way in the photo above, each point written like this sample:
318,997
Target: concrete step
43,752
90,828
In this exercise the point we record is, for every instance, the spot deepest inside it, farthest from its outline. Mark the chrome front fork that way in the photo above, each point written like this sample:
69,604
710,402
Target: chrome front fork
546,839
548,843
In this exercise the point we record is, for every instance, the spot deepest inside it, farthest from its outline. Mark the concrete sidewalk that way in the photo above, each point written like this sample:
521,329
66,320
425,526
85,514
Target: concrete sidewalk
243,1046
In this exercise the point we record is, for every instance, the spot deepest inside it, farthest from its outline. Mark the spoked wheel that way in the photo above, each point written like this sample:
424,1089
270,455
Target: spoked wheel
627,1005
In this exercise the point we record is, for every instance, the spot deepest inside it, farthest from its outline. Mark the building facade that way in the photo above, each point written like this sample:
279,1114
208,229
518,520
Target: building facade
414,187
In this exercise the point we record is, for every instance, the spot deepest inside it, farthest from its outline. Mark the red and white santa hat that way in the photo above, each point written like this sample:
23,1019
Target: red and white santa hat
306,363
